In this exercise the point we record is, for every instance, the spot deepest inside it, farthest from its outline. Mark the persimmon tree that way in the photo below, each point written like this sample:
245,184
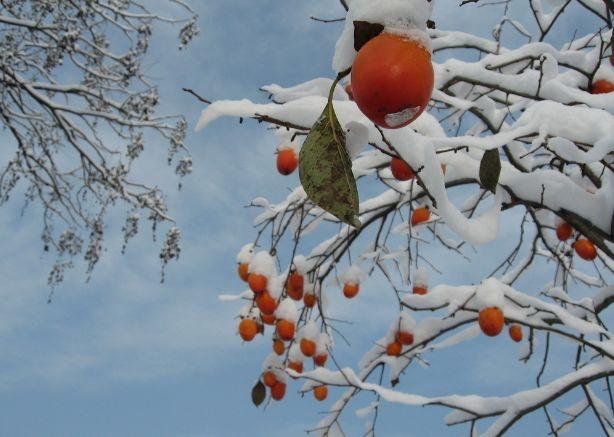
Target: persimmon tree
523,128
77,106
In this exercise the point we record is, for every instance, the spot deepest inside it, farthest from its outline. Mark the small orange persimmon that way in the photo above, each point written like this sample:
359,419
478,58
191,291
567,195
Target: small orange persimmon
405,338
394,349
320,392
269,379
401,170
287,161
297,366
296,284
419,289
248,329
257,282
516,333
310,300
320,359
348,90
491,321
266,304
278,391
268,319
602,86
392,80
278,347
420,215
308,347
242,270
564,231
285,330
585,249
351,289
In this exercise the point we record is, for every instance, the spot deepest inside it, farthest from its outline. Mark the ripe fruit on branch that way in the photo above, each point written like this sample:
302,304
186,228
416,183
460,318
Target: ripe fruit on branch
278,347
268,319
285,330
297,366
320,359
602,86
248,329
257,282
392,80
420,215
269,379
287,161
243,271
320,392
420,289
516,333
491,321
266,304
585,249
308,347
401,170
351,289
564,231
295,286
348,90
405,338
394,349
278,391
310,300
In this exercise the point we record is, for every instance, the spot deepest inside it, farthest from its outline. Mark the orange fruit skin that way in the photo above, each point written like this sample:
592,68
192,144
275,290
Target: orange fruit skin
394,349
266,304
585,249
420,215
269,379
401,170
310,300
564,231
242,270
419,289
392,74
297,366
287,161
308,347
515,332
257,282
278,391
278,347
285,330
602,86
268,319
248,329
295,286
491,321
405,338
348,90
320,392
293,293
351,289
320,360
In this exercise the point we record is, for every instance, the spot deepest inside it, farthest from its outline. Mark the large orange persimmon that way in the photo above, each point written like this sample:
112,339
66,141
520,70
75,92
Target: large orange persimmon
392,80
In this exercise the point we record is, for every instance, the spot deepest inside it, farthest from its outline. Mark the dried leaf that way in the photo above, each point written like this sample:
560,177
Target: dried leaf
490,169
365,31
325,167
258,393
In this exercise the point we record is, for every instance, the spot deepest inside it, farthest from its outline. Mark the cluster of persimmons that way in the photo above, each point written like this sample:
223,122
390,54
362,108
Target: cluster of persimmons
392,81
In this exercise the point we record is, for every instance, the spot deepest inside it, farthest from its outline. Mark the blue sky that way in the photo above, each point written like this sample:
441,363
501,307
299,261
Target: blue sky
123,355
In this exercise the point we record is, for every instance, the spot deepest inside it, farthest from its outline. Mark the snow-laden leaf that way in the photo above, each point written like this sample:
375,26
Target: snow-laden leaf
325,167
490,169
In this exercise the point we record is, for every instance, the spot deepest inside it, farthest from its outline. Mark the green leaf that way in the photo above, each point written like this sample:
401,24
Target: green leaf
364,32
258,393
490,169
325,167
